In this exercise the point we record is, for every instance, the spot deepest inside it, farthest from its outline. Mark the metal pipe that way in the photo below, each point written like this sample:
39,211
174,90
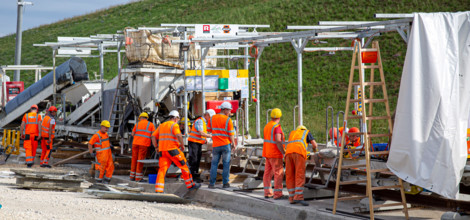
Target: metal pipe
185,95
299,73
337,125
247,107
258,128
332,125
241,113
202,79
102,76
19,35
267,115
296,106
54,83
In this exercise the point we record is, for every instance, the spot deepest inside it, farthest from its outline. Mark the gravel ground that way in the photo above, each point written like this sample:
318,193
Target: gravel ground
32,204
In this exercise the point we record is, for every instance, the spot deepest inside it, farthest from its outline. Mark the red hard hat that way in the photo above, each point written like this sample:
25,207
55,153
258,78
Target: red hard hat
35,106
52,109
353,130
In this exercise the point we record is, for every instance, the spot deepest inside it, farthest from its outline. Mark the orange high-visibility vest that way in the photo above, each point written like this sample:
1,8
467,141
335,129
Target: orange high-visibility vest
103,143
32,121
166,135
45,127
297,143
143,132
270,149
222,128
194,135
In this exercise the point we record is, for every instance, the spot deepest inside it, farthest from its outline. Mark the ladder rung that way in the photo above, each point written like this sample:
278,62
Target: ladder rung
352,182
352,150
369,117
388,205
352,166
379,152
351,198
367,67
379,170
379,135
355,133
368,100
385,187
368,49
368,83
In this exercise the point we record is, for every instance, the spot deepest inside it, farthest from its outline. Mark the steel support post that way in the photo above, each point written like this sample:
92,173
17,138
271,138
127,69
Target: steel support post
54,83
247,108
203,73
102,76
299,81
19,35
185,96
258,114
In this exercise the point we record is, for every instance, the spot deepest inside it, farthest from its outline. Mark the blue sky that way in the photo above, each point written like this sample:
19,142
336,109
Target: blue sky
47,11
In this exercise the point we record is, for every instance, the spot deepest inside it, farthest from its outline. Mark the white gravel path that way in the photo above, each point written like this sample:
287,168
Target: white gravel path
32,204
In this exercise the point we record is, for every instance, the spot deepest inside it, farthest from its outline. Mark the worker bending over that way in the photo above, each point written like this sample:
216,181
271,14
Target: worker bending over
296,157
197,137
273,151
222,143
103,156
29,130
142,134
47,129
170,141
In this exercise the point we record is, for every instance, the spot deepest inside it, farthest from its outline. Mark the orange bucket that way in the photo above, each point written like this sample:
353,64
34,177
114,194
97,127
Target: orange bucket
369,57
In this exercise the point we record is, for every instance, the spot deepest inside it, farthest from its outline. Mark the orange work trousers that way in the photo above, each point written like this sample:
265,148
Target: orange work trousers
30,147
104,165
166,158
46,150
295,176
273,167
139,152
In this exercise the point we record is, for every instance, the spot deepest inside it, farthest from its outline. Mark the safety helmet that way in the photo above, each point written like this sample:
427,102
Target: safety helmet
211,112
226,105
341,130
333,132
52,109
105,123
174,113
301,127
276,113
144,114
354,130
185,119
35,106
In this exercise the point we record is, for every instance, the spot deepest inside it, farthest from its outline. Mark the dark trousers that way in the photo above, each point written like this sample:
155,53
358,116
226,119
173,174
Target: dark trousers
194,158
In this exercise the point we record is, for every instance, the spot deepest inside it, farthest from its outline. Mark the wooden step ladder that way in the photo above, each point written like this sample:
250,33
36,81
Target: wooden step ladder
361,56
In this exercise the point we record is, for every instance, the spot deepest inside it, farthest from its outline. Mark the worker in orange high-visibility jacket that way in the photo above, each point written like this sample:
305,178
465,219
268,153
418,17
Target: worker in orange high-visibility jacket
168,142
352,142
223,142
47,129
29,130
296,157
99,142
197,137
273,152
142,134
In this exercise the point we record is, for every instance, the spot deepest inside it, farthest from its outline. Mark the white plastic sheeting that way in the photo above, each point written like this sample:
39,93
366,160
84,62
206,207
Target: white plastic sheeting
428,145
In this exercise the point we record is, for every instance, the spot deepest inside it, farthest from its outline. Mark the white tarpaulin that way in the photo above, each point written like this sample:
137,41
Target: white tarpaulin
429,137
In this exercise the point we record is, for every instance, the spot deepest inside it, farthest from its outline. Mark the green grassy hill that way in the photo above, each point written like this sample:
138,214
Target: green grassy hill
325,77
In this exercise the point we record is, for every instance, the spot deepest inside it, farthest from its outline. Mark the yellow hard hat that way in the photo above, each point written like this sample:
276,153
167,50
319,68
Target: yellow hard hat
106,123
301,127
276,113
144,114
185,119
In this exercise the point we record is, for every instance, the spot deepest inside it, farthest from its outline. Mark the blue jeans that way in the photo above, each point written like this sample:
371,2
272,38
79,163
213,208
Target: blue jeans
217,152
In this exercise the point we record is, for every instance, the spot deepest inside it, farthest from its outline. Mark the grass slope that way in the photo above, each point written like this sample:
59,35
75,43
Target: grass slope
325,77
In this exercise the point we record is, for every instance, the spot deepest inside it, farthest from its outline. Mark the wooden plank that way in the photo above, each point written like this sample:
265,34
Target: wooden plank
379,170
351,198
367,67
71,158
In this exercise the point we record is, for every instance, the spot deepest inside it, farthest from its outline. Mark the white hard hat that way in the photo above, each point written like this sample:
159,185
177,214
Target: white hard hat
226,105
174,113
211,112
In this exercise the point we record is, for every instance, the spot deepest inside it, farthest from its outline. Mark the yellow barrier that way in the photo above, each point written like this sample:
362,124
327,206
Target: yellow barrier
11,141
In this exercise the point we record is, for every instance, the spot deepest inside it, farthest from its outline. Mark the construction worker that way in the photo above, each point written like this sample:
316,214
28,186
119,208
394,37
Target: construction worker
103,156
197,137
274,152
296,157
352,142
222,143
142,134
29,130
182,124
47,129
170,147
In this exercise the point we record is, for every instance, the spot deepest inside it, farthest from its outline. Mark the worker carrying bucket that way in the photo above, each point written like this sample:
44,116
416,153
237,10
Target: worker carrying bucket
47,130
29,130
99,142
170,147
142,134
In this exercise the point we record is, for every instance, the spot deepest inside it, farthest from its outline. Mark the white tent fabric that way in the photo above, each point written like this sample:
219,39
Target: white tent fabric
428,145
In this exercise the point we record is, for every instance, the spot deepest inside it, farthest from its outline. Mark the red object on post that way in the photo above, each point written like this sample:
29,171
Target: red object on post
13,89
369,57
215,105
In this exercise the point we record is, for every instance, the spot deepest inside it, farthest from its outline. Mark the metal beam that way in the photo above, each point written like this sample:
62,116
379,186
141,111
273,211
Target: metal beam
394,15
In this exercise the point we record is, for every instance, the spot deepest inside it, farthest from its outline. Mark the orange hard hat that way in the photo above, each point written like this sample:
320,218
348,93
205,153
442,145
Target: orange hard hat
335,132
52,109
35,106
353,130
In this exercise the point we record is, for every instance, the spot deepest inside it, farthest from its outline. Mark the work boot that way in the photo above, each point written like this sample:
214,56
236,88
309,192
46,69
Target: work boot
195,186
302,202
99,181
281,197
226,185
47,165
268,197
29,165
131,179
211,186
42,165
